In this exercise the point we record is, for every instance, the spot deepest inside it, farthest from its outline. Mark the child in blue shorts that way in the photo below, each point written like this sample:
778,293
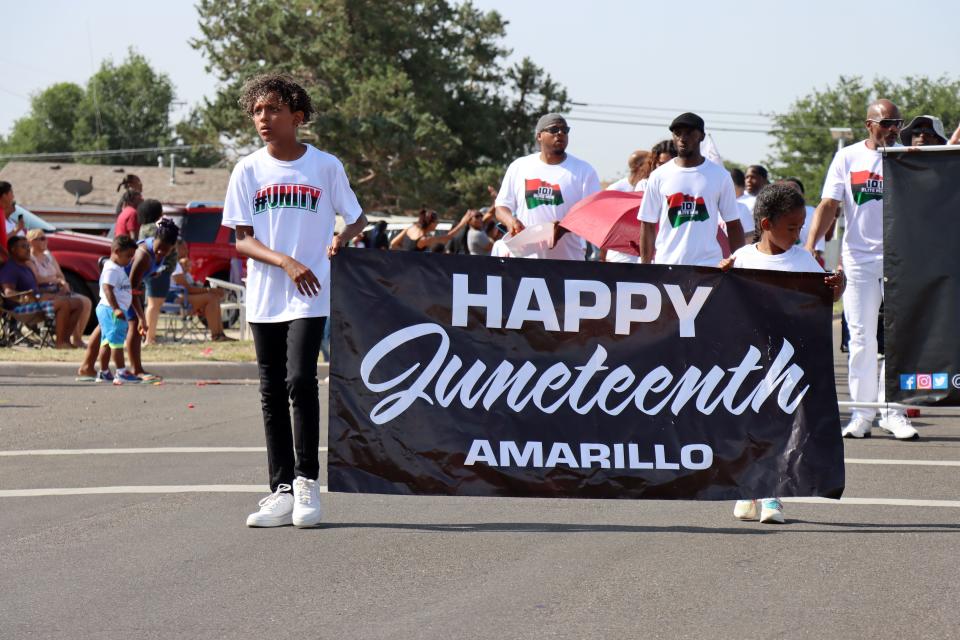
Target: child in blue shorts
116,298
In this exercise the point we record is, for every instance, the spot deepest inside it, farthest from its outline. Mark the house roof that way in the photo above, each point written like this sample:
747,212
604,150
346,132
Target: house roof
39,185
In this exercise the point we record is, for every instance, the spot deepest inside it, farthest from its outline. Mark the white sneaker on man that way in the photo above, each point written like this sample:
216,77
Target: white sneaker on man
899,426
306,502
745,510
857,428
276,510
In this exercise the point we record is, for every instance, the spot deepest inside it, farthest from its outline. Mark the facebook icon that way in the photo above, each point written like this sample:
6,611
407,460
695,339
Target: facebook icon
908,381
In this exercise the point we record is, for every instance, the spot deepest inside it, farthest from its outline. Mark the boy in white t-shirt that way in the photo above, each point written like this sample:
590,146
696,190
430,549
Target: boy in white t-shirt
282,200
779,215
688,197
543,186
116,296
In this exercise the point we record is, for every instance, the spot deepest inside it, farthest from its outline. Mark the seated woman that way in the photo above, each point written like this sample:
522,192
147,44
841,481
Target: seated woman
51,280
417,236
205,301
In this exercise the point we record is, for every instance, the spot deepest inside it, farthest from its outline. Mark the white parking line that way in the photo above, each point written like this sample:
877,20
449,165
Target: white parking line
878,502
90,491
916,463
258,488
89,452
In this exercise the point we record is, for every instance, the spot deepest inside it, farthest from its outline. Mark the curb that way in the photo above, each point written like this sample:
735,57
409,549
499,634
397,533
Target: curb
168,370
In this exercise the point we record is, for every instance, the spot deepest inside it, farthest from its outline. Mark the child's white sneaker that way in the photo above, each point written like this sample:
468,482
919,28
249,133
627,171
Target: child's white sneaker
276,510
771,511
306,502
745,510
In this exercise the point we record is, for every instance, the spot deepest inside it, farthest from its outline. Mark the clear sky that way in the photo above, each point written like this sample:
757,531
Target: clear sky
653,58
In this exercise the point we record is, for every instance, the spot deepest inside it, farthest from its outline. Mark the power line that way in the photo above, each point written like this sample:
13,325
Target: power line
99,154
664,125
670,109
600,112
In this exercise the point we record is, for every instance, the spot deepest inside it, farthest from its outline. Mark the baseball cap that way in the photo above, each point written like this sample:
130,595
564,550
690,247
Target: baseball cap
688,119
549,119
906,134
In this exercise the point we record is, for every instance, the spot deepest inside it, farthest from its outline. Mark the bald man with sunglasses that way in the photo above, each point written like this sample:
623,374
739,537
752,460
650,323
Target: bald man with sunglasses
855,179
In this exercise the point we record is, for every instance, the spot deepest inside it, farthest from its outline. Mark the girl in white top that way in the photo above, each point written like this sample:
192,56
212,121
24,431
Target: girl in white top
779,214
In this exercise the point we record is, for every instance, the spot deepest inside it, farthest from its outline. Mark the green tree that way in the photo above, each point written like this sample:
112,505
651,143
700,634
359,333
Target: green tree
125,106
803,146
49,126
414,96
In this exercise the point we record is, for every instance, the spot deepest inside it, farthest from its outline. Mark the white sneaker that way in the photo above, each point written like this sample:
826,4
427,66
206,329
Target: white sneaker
899,426
857,428
306,502
745,510
771,511
276,509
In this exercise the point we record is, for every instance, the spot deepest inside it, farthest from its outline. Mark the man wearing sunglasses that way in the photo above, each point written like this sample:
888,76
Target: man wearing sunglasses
543,186
855,178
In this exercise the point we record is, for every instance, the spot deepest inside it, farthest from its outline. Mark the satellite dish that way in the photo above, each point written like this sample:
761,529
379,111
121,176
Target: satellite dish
79,188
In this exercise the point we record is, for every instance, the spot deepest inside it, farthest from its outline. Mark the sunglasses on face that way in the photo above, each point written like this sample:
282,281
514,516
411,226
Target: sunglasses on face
41,238
555,129
889,123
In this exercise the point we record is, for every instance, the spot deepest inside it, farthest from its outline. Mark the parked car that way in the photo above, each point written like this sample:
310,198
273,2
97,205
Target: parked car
78,255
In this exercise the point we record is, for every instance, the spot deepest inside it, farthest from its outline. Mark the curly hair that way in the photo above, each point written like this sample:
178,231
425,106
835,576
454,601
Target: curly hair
167,231
281,85
652,160
773,201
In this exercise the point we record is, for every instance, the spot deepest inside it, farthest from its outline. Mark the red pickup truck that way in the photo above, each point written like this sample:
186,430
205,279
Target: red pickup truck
78,254
211,247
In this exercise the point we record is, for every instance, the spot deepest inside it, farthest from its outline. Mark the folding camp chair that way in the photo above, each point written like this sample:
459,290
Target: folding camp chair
27,329
181,322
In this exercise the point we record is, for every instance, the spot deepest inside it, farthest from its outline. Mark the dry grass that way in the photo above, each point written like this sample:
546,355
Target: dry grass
172,352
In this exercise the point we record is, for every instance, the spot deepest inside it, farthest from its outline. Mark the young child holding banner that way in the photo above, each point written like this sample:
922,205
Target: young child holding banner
282,200
779,215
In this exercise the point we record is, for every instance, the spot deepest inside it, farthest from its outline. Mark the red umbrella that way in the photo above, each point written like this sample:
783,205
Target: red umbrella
607,219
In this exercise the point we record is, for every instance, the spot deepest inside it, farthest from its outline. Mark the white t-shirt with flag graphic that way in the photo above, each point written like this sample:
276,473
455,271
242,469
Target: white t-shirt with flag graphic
537,192
855,179
689,203
292,208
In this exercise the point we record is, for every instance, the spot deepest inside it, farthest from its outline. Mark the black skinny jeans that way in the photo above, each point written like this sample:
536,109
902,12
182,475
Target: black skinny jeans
287,358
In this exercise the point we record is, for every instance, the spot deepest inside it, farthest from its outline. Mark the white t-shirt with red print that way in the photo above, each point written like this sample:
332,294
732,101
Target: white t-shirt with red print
292,208
537,192
855,179
689,203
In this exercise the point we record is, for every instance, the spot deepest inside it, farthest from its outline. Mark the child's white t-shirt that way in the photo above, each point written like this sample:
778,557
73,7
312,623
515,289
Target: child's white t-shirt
292,208
855,178
689,203
537,192
797,259
115,275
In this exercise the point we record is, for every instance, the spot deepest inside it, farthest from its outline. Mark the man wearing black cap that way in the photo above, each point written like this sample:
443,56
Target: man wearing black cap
541,187
688,197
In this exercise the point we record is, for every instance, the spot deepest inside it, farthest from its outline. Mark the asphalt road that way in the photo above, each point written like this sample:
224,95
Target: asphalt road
178,562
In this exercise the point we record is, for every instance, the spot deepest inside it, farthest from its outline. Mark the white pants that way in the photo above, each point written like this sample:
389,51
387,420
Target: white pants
861,305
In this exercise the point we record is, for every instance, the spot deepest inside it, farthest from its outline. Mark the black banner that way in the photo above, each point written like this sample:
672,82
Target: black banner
921,267
466,375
